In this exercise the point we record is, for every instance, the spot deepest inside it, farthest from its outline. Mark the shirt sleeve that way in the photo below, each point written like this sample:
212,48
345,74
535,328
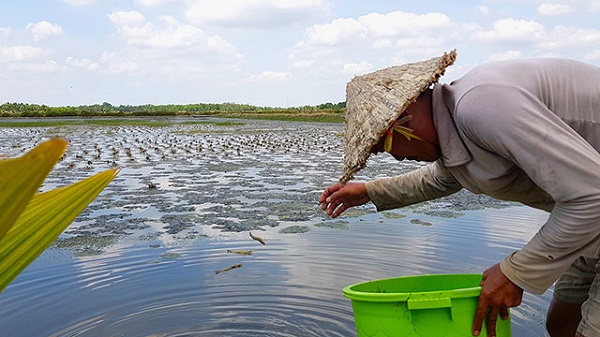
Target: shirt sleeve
426,183
519,127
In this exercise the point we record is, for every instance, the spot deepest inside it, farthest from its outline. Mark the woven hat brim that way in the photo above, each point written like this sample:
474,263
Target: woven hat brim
375,100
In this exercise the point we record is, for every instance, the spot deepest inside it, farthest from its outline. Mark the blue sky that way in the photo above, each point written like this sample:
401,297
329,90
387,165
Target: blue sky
274,53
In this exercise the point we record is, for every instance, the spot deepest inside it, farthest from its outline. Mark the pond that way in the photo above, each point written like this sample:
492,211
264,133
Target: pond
166,250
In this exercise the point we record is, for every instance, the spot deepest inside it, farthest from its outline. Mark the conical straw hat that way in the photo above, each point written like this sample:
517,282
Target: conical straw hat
374,101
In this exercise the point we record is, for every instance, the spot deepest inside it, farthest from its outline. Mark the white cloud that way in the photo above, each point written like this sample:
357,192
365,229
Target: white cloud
272,76
257,13
483,10
118,65
168,34
423,42
123,67
125,19
356,69
133,27
380,30
47,66
154,3
339,31
548,9
5,32
508,55
22,53
346,47
82,63
302,64
44,29
403,23
221,46
564,37
592,5
167,49
511,30
382,43
79,2
593,56
343,45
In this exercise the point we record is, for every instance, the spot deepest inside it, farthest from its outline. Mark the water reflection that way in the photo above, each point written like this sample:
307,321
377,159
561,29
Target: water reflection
156,277
289,287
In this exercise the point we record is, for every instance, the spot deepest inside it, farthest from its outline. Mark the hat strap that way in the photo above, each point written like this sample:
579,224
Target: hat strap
403,130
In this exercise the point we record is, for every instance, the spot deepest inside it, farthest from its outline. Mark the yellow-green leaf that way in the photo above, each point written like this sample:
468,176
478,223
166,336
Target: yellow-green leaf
46,216
20,179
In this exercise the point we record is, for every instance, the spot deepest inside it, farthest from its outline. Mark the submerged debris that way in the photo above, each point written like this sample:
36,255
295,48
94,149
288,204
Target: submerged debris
239,265
340,224
294,230
169,255
257,238
420,222
393,215
85,244
239,252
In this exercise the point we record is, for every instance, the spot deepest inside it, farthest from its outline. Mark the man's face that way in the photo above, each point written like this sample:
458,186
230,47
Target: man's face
413,149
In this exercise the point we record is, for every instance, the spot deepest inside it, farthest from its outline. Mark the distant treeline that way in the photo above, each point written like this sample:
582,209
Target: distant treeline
107,109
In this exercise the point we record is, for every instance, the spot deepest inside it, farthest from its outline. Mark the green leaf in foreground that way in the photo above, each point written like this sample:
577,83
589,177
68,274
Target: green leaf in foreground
42,217
20,179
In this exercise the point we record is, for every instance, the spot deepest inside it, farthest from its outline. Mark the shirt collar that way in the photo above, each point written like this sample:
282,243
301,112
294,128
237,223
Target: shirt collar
454,152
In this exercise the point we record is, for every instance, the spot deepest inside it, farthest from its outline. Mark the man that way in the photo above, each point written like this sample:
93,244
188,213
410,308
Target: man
526,131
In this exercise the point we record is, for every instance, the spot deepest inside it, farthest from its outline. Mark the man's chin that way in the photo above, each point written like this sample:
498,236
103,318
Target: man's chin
414,158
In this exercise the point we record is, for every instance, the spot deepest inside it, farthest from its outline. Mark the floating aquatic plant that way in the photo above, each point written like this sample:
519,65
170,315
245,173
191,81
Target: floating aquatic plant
31,221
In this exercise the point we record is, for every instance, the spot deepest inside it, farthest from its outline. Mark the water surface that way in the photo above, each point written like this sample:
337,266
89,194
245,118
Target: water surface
141,260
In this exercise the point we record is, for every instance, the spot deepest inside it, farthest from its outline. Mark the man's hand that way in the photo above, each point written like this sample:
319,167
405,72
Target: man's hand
498,293
337,198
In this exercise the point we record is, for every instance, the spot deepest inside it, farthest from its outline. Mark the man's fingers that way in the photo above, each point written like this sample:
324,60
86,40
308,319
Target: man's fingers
337,198
339,209
490,323
331,209
479,317
328,201
328,192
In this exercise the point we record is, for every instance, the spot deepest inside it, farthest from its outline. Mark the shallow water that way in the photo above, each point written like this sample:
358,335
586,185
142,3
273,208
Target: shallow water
141,261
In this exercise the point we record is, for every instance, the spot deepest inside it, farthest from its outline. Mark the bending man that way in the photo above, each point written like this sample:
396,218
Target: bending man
525,131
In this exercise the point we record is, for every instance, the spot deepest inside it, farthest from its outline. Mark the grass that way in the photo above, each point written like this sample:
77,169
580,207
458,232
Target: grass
31,124
299,117
54,122
50,122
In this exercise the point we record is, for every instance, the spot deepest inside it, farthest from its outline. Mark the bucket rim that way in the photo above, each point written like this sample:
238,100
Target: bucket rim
355,295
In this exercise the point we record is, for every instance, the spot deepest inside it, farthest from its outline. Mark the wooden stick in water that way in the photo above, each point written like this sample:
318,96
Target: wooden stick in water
259,239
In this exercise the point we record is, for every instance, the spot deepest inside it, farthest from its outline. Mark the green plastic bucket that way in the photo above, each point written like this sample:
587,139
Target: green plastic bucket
419,306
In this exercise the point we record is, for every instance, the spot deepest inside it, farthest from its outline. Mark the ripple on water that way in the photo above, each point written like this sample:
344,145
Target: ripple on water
289,287
185,297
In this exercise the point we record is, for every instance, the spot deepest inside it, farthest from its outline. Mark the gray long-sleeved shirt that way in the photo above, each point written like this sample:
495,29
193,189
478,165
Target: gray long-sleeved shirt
526,131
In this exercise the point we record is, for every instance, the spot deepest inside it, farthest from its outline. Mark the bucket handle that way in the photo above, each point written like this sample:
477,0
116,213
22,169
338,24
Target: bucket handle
430,303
